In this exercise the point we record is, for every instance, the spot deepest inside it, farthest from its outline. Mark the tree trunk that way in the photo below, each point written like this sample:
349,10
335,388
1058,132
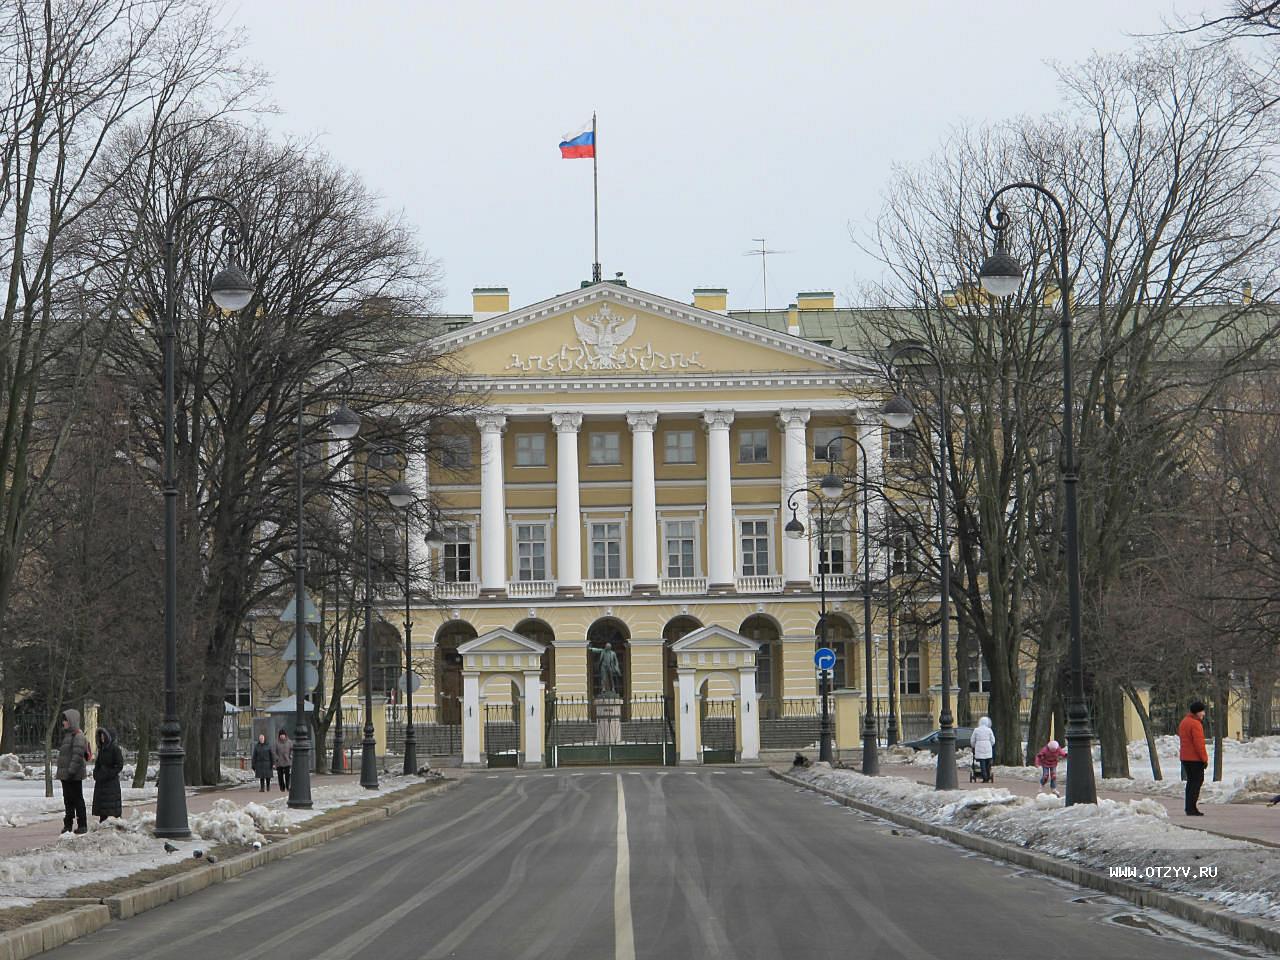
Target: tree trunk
964,644
1261,697
144,756
1044,698
8,718
1222,694
1115,747
1004,719
1147,730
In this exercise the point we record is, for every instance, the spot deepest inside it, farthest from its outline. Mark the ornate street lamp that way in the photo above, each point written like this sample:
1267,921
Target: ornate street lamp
230,290
1001,276
899,413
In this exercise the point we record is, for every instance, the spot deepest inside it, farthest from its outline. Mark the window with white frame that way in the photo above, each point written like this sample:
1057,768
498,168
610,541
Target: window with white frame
979,675
386,550
909,666
606,551
824,440
901,548
754,541
902,444
678,446
681,548
457,553
240,679
753,446
832,544
455,451
531,450
604,448
531,551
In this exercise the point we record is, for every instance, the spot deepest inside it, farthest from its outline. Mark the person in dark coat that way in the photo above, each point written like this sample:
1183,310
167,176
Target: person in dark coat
73,762
106,776
262,763
282,757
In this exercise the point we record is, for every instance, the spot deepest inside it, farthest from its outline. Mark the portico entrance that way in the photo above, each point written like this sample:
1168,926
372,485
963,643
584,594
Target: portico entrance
716,683
502,697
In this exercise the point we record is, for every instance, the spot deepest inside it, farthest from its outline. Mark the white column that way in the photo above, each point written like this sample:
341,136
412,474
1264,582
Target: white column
531,723
688,717
415,475
470,719
568,505
644,500
749,712
493,509
795,467
720,564
871,436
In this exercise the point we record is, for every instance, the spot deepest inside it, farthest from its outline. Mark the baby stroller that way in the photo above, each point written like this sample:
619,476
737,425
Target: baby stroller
975,770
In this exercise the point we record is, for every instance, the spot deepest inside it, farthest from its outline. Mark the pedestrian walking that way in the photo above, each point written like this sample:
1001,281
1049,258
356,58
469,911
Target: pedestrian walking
282,756
1047,760
73,762
983,743
262,763
1194,755
107,767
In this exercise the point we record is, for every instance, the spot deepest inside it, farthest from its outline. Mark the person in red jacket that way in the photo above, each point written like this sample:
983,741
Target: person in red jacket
1194,755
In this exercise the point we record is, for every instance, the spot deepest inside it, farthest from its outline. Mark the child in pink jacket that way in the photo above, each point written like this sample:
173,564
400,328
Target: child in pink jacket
1047,760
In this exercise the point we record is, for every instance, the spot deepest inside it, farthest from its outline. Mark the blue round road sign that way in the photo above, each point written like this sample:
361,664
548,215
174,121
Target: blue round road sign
825,658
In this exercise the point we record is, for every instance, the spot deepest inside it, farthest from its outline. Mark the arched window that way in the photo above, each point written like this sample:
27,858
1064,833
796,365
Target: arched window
769,660
541,632
615,633
840,639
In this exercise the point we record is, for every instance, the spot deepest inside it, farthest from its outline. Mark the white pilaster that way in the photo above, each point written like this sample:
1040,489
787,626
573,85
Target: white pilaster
470,719
689,752
720,565
568,506
749,712
644,500
795,465
493,509
415,475
531,723
871,436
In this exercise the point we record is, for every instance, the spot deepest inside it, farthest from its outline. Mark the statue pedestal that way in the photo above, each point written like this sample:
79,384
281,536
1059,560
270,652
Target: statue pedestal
608,718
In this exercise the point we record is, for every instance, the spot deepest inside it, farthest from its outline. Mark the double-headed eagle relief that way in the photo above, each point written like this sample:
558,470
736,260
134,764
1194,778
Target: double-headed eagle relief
602,338
602,345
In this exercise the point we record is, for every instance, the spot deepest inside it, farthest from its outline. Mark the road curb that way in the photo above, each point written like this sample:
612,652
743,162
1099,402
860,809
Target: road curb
1258,932
35,938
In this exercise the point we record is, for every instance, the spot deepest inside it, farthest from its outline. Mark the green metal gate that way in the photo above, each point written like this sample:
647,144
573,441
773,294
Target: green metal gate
575,737
719,731
502,734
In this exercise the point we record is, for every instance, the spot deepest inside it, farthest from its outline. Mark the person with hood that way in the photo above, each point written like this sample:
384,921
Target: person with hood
1047,760
73,760
106,776
262,763
1194,755
983,744
282,757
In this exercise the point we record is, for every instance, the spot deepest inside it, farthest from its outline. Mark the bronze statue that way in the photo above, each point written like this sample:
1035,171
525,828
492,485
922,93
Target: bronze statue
609,670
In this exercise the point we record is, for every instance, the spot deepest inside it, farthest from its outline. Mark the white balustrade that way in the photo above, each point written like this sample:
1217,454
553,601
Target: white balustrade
606,588
759,584
527,589
834,582
456,591
682,586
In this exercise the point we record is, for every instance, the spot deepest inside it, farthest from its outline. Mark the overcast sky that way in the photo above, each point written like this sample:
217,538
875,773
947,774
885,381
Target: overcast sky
719,122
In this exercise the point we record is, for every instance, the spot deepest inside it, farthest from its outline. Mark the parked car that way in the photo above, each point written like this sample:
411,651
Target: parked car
930,741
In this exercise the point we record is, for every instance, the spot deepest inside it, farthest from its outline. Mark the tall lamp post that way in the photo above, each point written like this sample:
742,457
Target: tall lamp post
230,290
1001,276
831,488
898,413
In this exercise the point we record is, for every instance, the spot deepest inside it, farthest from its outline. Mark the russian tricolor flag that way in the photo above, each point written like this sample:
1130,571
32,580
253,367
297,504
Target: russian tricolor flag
580,144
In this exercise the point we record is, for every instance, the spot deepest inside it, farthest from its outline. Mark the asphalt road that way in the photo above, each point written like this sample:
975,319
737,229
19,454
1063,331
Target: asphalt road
646,863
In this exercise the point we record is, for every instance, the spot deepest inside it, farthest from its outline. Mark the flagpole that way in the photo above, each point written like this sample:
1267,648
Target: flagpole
595,189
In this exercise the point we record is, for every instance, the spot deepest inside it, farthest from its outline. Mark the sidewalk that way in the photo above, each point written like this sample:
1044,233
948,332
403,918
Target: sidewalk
1243,821
14,840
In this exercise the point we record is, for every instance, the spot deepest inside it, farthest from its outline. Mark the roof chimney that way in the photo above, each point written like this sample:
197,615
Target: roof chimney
1246,292
816,300
715,299
793,320
487,302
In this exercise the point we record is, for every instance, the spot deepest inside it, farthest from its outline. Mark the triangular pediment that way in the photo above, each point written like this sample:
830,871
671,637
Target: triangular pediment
606,330
501,640
714,639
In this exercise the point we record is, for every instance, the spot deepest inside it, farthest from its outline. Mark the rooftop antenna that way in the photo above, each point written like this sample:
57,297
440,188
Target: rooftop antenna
763,253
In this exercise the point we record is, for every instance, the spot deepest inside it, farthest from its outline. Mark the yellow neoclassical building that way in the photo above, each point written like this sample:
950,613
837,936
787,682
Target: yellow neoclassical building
626,484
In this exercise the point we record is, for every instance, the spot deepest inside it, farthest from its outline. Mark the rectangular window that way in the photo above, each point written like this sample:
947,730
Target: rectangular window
240,680
457,554
902,444
678,445
531,450
979,675
824,441
753,446
832,548
755,548
901,561
531,551
604,448
764,671
386,551
909,667
606,551
455,452
681,543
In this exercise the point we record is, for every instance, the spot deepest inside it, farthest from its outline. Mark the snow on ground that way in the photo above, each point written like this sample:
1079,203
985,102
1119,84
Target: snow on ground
118,848
23,801
1134,835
